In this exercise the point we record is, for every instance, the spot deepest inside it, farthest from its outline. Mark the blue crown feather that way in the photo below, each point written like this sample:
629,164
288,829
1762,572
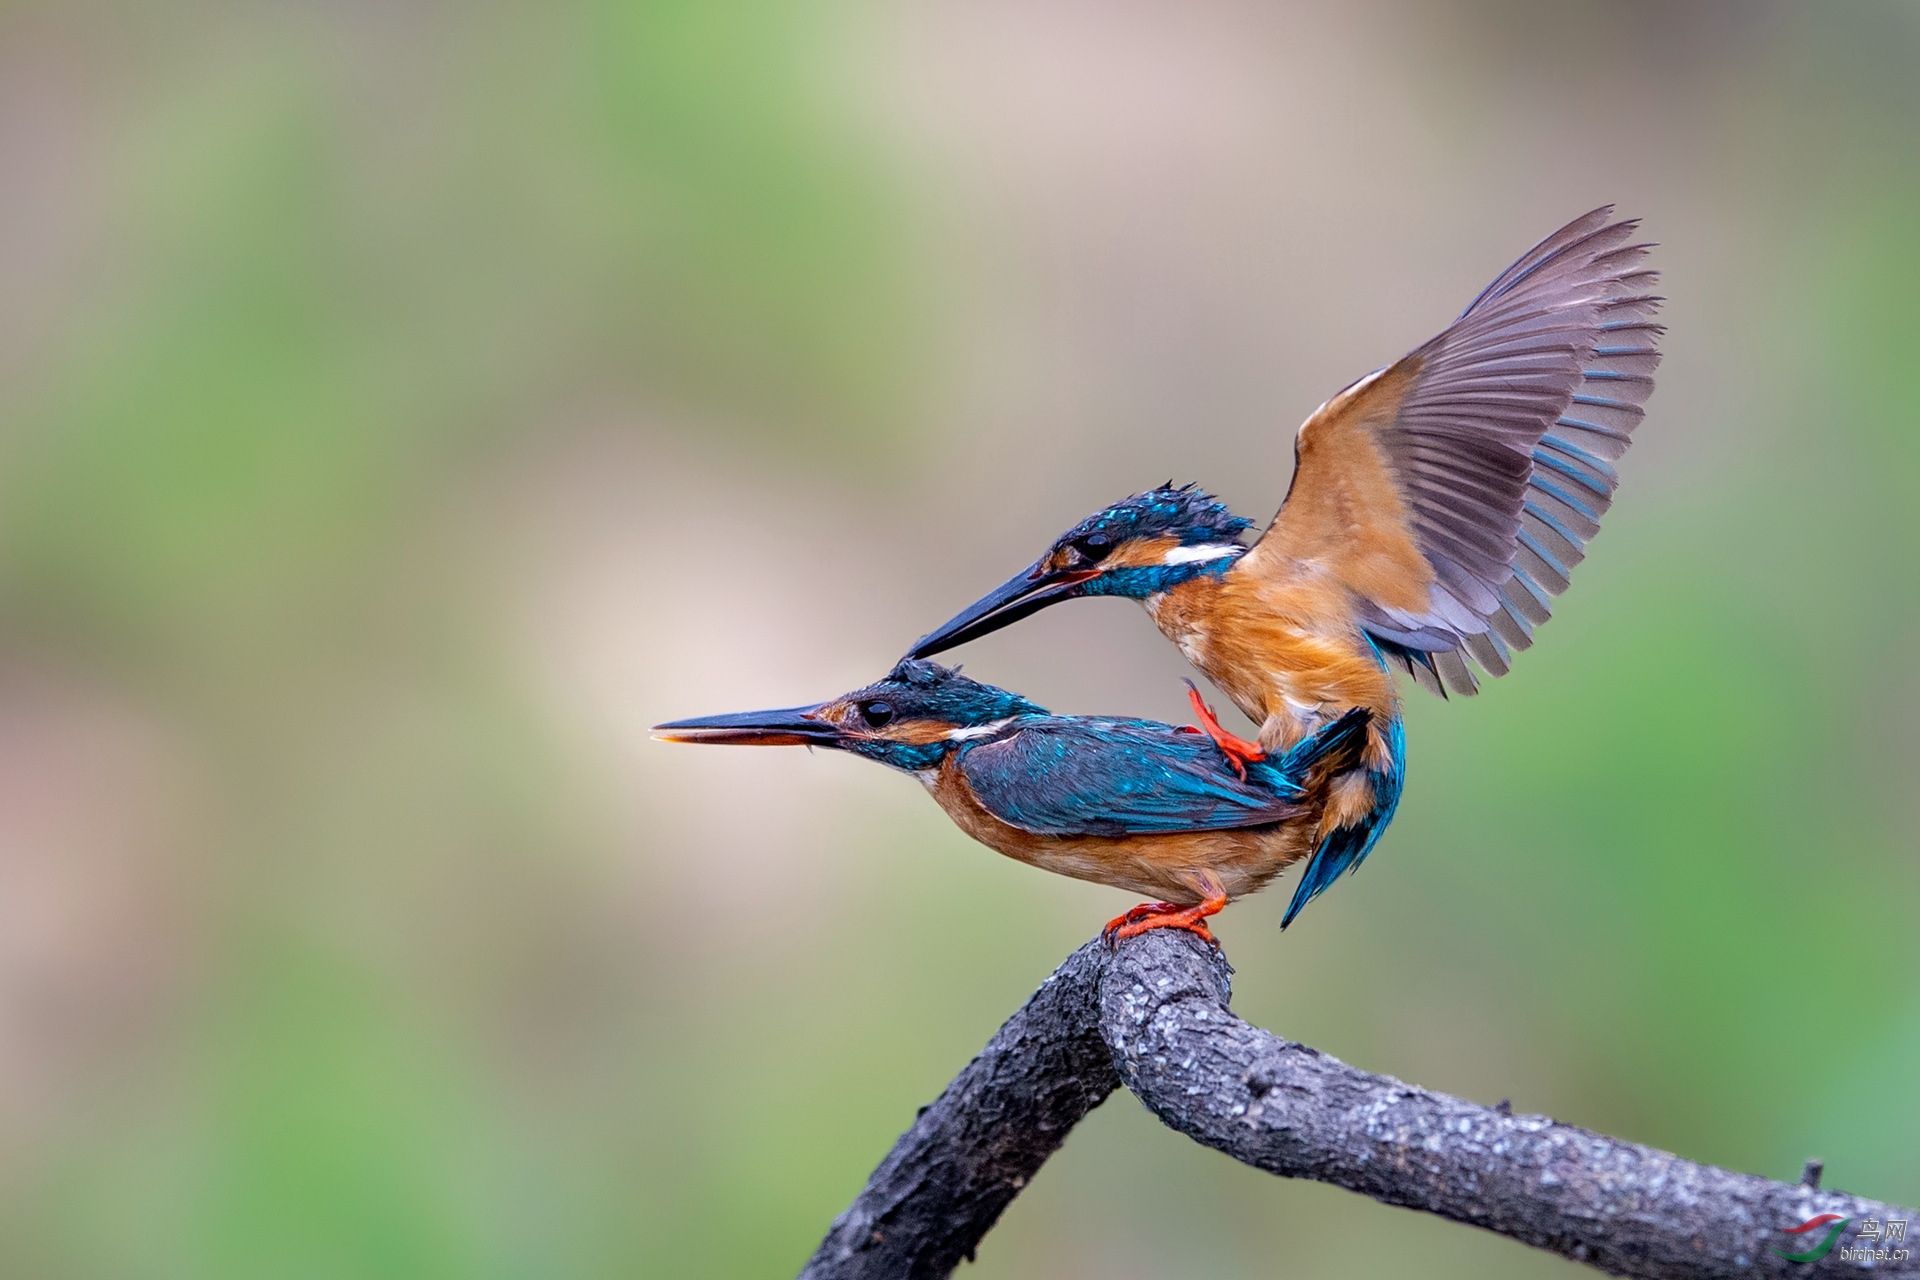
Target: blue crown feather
1186,511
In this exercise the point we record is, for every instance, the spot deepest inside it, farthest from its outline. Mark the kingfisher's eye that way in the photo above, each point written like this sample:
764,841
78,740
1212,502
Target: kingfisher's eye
1094,546
876,714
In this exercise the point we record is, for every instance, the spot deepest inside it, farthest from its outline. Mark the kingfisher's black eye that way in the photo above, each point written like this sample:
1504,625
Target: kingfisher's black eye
876,714
1094,546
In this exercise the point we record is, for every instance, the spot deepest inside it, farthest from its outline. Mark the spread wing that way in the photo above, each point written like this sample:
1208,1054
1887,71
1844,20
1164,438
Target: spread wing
1116,778
1451,492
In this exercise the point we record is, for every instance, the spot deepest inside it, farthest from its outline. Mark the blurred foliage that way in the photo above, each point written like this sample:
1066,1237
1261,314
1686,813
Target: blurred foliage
332,279
376,329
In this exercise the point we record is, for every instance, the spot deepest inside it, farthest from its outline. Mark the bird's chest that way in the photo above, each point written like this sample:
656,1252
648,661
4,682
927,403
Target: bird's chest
1185,615
949,788
1290,658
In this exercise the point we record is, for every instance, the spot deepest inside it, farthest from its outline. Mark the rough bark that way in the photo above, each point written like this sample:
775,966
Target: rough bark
969,1154
1618,1206
1153,1015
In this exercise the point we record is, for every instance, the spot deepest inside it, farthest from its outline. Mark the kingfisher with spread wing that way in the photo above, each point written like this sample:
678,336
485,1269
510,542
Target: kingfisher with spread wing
1437,505
1136,804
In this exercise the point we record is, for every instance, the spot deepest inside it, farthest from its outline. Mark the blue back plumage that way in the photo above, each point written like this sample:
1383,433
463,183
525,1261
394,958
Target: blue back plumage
1084,776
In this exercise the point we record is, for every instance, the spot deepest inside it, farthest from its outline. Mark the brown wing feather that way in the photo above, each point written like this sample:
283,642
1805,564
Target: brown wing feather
1451,492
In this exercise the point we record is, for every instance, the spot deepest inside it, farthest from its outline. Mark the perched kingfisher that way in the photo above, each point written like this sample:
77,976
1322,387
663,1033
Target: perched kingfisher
1136,804
1436,505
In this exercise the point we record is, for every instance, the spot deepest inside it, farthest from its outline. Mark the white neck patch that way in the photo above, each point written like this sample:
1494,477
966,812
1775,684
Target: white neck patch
978,730
1205,551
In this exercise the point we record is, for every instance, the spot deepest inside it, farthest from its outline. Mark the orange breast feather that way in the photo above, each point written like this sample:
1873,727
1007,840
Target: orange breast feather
1288,651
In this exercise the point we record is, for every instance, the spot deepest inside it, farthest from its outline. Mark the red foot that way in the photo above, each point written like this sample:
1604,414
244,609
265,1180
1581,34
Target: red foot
1238,750
1165,915
1140,912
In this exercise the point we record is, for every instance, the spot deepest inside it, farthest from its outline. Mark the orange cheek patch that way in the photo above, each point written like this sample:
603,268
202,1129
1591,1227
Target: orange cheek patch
1140,552
1134,553
916,733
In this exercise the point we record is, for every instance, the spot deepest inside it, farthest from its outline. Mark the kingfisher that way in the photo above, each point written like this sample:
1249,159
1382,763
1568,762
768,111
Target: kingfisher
1437,506
1152,808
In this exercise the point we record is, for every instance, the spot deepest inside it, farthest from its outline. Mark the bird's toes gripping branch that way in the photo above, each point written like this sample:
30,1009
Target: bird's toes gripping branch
1239,751
1166,915
1144,911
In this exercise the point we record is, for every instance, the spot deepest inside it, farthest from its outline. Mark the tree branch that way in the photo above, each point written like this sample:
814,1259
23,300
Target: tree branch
1153,1015
968,1155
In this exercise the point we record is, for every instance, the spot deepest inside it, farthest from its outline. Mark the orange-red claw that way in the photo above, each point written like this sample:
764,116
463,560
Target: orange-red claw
1163,915
1239,752
1141,912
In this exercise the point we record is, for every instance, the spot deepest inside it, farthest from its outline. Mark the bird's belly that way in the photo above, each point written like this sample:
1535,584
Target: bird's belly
1174,867
1177,867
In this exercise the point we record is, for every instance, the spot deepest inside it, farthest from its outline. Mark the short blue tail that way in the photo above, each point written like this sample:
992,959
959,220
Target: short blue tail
1344,848
1338,745
1335,747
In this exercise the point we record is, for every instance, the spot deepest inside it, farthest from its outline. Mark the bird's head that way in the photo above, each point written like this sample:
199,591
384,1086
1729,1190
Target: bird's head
910,719
1136,548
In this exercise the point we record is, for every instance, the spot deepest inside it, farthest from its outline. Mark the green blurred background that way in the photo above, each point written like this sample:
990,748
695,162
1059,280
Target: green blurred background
403,406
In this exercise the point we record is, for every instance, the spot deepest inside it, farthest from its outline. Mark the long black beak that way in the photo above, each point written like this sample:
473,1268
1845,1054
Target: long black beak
791,727
1025,594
